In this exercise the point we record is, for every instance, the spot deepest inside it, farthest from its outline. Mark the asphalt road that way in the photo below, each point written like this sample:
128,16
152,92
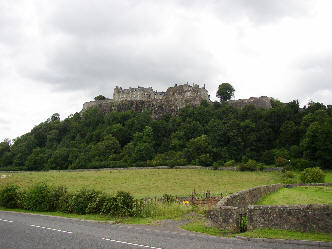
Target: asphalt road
19,230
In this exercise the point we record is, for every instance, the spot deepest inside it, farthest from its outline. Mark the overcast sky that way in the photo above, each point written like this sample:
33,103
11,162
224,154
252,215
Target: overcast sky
56,55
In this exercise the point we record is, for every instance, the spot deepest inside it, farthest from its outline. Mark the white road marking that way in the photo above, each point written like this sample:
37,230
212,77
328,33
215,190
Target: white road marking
53,229
4,220
129,243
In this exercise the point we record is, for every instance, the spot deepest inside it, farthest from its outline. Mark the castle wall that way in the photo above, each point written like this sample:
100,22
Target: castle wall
262,102
140,93
146,99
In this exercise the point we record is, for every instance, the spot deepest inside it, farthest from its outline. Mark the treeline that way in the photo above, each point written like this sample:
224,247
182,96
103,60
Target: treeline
210,134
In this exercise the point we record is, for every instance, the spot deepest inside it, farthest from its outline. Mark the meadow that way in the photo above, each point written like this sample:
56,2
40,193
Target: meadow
144,183
299,195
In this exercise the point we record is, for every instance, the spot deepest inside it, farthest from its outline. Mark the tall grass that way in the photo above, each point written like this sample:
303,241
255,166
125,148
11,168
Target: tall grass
164,210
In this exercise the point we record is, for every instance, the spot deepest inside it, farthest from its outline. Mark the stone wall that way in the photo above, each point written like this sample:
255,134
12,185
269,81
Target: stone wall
303,218
139,93
262,102
245,198
225,218
226,213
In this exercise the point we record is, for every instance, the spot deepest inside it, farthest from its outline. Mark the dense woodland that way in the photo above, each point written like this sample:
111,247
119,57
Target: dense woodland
210,134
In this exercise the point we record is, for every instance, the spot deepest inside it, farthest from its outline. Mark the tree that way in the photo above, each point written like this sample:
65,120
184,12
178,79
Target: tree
102,150
225,92
316,144
198,146
55,117
100,97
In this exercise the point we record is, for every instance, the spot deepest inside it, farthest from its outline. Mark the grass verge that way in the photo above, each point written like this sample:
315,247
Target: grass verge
199,226
152,212
95,217
286,234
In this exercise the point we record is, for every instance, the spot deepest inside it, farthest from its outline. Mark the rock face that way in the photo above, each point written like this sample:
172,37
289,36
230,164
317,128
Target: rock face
158,103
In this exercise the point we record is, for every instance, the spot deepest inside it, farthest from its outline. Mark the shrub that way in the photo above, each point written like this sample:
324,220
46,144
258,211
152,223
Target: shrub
9,196
117,164
268,157
122,204
229,163
168,198
159,159
110,206
295,151
280,161
284,153
301,164
59,199
140,164
260,166
126,203
180,158
312,175
38,198
251,165
204,160
171,163
216,165
82,199
97,204
289,177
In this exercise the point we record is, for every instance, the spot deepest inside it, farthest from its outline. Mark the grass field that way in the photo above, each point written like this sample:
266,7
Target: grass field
299,195
328,177
149,182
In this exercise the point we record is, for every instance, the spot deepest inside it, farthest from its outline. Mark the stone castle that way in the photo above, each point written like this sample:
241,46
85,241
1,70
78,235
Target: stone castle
146,99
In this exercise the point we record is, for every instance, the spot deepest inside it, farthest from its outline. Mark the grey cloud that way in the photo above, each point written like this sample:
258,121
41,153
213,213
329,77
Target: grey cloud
120,42
4,121
79,65
103,18
314,76
262,11
10,23
259,12
317,73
